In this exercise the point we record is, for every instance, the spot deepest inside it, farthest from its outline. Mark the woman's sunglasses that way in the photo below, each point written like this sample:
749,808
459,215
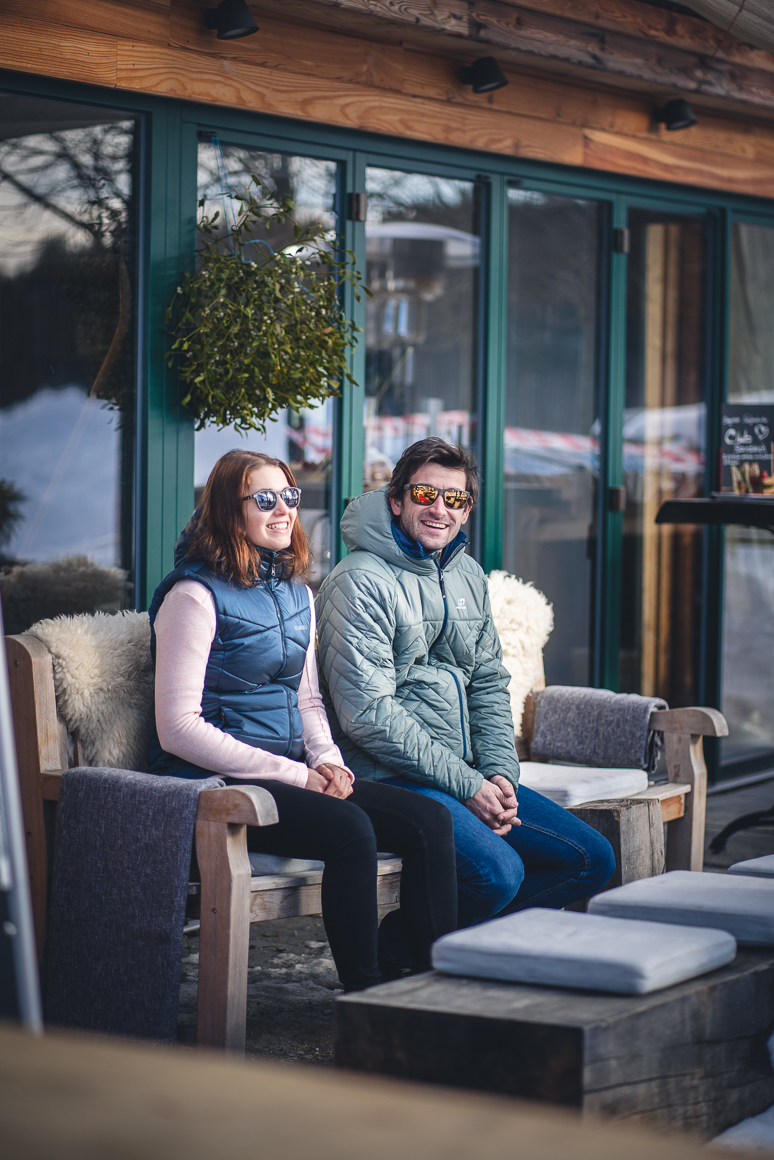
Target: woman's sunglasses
425,496
266,500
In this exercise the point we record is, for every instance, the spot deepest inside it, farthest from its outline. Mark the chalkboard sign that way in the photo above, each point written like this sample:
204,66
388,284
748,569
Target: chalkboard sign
747,448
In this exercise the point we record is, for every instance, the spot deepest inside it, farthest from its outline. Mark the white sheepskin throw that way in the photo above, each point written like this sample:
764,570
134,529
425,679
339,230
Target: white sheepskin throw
103,678
524,620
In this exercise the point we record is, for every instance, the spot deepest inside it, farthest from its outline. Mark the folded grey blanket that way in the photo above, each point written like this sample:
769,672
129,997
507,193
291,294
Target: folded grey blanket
596,727
121,868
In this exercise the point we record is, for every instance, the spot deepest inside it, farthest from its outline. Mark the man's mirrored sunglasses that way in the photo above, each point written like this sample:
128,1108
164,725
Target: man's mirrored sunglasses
425,495
266,500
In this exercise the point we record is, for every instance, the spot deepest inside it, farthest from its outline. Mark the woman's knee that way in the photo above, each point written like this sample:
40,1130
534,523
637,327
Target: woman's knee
350,825
431,821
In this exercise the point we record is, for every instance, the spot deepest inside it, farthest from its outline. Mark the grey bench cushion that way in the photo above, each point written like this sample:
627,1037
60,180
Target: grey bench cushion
742,906
571,785
565,949
754,867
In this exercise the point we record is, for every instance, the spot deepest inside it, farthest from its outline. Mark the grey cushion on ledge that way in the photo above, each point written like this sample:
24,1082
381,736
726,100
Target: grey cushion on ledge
570,785
564,949
742,906
754,867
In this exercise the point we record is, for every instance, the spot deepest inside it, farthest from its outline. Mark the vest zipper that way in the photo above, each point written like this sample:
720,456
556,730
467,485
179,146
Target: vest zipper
284,655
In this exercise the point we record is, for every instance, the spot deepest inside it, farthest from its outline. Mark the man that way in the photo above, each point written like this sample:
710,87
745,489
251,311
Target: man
418,696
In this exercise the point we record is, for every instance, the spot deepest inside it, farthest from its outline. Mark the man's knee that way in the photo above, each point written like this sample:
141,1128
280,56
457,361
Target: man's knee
600,860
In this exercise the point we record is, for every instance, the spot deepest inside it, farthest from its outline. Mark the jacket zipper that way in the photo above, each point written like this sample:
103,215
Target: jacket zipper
443,594
462,719
459,690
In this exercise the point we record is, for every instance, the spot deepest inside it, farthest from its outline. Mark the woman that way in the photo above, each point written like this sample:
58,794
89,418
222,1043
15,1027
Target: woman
233,634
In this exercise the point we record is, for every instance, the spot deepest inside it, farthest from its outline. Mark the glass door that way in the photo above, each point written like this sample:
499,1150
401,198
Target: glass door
748,592
303,440
423,263
551,438
664,457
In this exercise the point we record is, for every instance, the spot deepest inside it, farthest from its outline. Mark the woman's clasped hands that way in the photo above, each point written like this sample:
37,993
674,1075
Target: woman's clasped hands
330,779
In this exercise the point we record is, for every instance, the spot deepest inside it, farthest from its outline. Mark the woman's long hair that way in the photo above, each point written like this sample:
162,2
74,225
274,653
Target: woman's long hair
217,532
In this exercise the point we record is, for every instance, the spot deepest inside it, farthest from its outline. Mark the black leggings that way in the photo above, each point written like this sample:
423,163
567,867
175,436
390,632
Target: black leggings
345,835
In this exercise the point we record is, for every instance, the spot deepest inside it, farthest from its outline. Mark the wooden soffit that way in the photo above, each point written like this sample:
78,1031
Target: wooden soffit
751,20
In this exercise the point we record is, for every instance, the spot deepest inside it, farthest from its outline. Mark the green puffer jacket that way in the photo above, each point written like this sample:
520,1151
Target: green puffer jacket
413,680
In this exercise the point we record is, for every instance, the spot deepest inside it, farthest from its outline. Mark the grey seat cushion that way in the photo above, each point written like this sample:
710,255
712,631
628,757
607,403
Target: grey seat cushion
754,867
570,785
564,949
740,905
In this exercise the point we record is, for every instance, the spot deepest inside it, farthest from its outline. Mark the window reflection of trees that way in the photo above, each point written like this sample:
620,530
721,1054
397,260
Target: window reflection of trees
66,311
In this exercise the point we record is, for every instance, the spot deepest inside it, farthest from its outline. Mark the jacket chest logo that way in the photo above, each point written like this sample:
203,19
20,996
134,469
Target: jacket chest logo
461,602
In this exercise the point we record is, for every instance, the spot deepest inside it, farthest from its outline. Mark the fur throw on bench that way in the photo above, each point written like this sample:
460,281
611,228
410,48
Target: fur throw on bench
524,620
103,676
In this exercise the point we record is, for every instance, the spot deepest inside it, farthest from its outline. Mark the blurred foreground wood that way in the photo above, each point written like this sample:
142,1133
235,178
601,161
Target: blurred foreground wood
85,1098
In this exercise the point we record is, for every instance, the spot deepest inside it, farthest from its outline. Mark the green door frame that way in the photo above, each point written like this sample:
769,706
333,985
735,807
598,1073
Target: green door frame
167,210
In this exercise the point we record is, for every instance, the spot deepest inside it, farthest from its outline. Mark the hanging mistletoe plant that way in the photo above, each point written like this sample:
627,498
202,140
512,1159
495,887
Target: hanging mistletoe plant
255,331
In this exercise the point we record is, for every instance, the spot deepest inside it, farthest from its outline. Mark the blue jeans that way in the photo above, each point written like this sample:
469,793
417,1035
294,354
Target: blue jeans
551,859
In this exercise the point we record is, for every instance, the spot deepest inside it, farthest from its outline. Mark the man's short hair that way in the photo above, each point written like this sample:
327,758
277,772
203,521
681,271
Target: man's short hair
434,450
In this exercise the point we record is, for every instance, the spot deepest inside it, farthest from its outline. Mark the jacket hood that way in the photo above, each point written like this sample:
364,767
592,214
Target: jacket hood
367,526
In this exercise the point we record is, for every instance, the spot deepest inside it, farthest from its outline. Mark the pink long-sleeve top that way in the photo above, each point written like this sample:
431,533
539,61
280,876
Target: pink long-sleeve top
185,628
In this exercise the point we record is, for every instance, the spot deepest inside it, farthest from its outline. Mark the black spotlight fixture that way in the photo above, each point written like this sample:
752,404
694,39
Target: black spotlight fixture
677,114
485,75
232,19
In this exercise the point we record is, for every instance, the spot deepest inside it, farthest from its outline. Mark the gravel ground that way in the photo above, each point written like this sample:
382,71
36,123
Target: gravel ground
291,988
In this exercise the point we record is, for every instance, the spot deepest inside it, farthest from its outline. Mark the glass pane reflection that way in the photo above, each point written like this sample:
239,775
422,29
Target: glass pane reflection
748,616
66,359
304,440
422,248
663,455
551,436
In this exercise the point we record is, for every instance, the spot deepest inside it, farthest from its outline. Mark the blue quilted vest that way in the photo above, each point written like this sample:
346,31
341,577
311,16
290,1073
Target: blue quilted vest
255,665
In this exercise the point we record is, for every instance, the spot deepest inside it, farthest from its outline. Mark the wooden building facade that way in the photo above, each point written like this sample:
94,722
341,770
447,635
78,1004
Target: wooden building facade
559,281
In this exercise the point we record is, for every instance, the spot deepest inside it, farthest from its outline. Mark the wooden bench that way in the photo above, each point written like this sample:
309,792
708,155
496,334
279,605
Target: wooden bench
230,898
634,824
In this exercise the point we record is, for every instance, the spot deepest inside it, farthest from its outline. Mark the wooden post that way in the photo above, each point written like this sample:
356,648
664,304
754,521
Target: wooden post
684,752
221,851
634,829
225,935
41,746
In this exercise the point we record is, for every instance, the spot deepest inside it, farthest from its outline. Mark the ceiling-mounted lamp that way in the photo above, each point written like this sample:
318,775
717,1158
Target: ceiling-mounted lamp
485,75
677,114
232,19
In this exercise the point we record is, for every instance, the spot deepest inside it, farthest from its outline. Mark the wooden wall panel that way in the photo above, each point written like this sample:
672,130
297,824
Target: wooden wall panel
168,72
56,51
146,19
662,162
299,68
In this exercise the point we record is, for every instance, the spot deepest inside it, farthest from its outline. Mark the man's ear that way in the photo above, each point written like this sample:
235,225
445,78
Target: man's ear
395,506
468,510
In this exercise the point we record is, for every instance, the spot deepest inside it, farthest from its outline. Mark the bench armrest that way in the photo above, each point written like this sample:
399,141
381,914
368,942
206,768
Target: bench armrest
699,722
246,805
